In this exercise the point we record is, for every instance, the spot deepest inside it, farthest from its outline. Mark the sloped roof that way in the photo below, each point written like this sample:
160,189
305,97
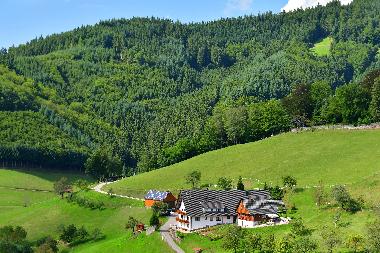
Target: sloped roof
156,195
220,202
259,204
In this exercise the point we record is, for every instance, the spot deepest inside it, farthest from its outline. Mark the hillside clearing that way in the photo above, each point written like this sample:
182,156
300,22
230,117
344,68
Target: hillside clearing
323,47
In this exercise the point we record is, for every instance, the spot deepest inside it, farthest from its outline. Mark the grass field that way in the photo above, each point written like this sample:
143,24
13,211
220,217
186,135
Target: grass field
40,213
334,156
344,157
323,47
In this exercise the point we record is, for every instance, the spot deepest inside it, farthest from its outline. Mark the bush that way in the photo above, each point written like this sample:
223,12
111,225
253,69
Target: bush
344,199
180,234
154,220
83,202
47,244
73,235
275,191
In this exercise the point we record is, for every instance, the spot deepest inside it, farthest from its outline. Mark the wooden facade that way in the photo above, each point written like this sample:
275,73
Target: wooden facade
244,214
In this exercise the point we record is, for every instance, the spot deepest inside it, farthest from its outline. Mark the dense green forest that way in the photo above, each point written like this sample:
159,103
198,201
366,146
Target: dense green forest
152,92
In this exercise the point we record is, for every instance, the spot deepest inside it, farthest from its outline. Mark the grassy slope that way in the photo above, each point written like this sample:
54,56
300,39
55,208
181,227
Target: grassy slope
322,48
336,157
45,211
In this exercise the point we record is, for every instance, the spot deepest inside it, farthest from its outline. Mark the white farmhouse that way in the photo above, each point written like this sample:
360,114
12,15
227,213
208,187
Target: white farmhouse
198,209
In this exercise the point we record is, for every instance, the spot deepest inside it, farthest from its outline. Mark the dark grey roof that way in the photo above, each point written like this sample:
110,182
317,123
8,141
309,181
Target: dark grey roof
156,195
199,202
259,204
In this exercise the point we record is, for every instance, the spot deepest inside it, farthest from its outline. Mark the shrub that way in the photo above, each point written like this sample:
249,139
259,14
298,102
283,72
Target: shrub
154,220
83,202
180,235
344,199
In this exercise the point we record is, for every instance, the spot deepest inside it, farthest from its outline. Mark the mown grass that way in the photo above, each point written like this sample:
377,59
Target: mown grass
334,156
323,47
45,211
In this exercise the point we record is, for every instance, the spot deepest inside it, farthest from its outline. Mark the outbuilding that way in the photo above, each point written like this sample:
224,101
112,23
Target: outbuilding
154,196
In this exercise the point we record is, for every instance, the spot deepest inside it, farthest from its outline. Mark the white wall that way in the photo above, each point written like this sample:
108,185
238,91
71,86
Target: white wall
246,224
203,222
183,217
206,222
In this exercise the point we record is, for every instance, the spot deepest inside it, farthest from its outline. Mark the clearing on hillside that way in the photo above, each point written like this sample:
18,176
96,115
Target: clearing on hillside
323,47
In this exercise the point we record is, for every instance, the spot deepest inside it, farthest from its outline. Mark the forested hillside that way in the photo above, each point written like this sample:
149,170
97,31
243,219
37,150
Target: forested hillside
153,92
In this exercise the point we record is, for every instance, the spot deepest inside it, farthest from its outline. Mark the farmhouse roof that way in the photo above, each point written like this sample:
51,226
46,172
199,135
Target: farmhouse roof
156,195
214,202
259,204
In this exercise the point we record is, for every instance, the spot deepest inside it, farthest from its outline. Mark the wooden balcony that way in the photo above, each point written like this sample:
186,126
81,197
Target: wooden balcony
181,220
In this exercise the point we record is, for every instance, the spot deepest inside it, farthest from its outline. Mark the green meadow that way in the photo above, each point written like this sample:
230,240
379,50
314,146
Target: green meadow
347,157
334,156
41,212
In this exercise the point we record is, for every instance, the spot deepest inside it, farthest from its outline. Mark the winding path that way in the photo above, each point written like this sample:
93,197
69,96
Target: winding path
164,230
98,188
165,234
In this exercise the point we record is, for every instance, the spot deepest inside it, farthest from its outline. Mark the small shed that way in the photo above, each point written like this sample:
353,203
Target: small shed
154,196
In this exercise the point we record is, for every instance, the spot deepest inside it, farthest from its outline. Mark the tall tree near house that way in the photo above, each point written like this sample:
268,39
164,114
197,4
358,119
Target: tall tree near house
374,106
160,208
240,185
62,186
193,178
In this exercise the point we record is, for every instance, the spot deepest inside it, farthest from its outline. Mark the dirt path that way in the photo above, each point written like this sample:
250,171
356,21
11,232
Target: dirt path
98,188
164,231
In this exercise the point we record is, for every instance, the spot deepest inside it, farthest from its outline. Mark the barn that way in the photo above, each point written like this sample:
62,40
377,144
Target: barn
154,196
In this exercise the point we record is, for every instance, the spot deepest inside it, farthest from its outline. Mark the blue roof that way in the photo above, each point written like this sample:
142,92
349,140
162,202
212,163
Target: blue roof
156,195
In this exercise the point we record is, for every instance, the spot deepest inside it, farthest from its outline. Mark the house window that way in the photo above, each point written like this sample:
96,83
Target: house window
197,219
211,218
205,218
228,217
187,217
218,219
